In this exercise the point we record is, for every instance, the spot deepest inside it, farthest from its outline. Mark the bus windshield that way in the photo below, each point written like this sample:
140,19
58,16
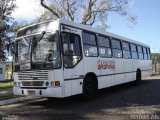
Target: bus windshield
46,49
23,49
34,50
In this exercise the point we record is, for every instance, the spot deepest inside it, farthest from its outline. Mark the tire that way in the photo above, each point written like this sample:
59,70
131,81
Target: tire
138,77
50,98
90,88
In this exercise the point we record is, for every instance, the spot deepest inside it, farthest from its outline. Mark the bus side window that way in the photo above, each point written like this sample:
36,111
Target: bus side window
116,48
104,47
134,51
145,53
90,44
140,52
126,50
148,54
71,49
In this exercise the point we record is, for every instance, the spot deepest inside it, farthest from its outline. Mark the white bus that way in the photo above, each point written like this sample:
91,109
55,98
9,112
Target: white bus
60,58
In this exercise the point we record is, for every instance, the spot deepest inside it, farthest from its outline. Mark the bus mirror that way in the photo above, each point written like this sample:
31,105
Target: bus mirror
72,37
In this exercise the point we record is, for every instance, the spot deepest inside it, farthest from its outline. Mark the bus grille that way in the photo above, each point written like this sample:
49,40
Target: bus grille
33,83
33,75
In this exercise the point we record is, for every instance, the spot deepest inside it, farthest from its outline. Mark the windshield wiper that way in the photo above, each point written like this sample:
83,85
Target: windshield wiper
39,38
24,40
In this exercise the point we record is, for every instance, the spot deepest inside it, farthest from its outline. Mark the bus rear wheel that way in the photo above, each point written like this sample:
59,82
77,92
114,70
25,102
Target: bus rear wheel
90,88
138,77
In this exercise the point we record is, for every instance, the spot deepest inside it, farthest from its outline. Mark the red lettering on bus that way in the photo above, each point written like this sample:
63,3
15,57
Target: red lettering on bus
106,64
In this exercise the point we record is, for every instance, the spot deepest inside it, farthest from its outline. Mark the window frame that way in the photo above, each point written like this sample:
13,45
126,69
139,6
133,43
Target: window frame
85,31
148,53
81,54
140,52
99,35
145,53
135,51
113,38
127,50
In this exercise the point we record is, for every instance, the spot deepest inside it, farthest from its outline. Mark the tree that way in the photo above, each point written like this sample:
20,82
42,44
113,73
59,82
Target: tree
6,8
13,30
89,12
155,61
46,15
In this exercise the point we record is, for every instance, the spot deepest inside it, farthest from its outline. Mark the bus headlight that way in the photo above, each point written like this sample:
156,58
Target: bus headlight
47,83
52,83
18,84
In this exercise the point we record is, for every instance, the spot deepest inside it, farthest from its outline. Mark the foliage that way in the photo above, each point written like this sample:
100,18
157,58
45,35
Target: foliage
6,8
88,12
155,61
6,85
156,58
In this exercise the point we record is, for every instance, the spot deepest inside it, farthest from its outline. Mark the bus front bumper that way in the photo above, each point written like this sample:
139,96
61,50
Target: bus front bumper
48,92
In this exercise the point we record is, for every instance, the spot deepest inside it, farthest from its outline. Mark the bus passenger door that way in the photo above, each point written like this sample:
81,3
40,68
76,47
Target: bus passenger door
72,62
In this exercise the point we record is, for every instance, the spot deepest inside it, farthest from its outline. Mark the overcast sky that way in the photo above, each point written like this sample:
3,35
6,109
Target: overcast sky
27,9
146,30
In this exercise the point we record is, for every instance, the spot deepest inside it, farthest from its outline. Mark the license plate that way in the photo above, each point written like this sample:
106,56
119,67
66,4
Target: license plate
31,92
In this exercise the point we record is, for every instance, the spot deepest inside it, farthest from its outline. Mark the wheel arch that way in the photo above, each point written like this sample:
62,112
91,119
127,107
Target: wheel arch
92,75
138,70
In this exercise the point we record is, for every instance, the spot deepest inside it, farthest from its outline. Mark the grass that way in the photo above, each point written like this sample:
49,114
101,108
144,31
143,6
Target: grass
6,85
9,95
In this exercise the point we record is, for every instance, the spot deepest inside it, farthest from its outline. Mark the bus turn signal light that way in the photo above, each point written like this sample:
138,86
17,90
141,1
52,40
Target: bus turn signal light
57,83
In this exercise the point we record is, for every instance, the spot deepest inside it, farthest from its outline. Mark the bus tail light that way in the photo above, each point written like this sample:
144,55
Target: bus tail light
57,83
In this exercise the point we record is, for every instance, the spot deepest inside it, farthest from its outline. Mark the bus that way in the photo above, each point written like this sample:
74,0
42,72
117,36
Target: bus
60,58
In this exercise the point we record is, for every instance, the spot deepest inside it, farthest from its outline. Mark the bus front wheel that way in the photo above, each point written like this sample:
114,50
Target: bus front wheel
90,87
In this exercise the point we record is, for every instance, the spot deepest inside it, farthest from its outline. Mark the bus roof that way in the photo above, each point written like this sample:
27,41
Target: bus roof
99,31
89,28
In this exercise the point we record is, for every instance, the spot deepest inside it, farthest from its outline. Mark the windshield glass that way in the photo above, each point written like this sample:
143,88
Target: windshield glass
23,49
42,53
46,50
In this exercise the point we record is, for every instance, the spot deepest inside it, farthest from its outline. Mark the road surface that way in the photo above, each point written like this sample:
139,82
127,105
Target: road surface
121,102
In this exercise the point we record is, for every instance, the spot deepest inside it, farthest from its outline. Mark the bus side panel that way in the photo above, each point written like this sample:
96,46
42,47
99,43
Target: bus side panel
142,68
67,88
72,81
91,65
148,64
146,67
119,71
128,70
105,81
80,86
58,76
150,67
106,73
140,65
135,66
